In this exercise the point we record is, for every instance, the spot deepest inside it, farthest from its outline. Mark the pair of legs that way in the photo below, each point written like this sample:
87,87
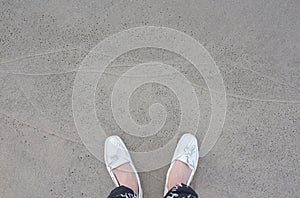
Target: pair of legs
179,175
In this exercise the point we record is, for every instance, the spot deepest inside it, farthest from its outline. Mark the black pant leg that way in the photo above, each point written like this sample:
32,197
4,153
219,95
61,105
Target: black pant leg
122,191
181,191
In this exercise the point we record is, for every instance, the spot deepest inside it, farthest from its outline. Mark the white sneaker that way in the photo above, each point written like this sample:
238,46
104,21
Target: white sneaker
115,155
187,152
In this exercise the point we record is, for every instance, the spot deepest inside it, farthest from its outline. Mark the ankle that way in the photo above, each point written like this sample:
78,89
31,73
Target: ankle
179,174
126,177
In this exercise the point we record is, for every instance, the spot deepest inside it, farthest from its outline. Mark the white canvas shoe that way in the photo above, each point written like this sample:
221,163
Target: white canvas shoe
187,152
115,155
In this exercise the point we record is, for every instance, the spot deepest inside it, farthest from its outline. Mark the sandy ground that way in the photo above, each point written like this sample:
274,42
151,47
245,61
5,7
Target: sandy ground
255,44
